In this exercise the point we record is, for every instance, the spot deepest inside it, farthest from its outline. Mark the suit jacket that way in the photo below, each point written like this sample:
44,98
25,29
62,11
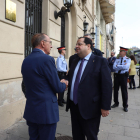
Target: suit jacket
72,58
110,63
95,87
96,52
42,83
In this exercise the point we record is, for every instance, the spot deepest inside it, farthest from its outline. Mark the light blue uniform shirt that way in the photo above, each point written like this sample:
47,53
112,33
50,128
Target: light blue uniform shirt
61,64
75,73
124,67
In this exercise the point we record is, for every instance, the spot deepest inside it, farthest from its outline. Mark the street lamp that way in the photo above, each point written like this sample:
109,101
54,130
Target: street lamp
85,24
92,32
67,4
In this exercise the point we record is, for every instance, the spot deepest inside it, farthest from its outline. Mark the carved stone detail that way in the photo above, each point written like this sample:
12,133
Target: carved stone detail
84,4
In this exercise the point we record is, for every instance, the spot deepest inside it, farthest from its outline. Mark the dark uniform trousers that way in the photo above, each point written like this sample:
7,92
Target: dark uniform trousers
121,80
62,75
82,128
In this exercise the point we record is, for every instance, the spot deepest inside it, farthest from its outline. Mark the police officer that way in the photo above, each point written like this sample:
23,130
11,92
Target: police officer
121,67
62,71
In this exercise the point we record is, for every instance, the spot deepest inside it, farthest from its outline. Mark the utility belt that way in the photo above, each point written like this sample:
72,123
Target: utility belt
126,74
61,73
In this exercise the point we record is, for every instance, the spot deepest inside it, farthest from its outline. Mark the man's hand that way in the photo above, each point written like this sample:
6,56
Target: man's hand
105,113
65,82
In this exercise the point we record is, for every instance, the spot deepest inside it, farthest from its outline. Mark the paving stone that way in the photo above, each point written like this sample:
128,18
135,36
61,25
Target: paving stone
103,136
119,115
138,111
135,117
134,107
120,110
3,137
107,119
64,129
132,132
124,122
115,129
137,103
67,114
20,130
69,123
64,120
62,112
118,137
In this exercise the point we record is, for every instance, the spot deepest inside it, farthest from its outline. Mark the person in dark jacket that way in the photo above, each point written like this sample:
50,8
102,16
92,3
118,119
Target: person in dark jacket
111,61
72,58
94,50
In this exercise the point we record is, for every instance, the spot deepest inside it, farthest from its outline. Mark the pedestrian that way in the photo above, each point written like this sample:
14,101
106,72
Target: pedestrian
132,72
89,91
42,83
94,50
111,61
121,67
62,69
72,57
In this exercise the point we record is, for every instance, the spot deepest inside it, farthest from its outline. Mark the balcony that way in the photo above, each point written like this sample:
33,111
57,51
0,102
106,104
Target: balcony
109,19
108,9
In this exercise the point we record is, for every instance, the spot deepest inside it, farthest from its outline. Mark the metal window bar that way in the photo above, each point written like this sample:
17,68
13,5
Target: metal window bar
33,22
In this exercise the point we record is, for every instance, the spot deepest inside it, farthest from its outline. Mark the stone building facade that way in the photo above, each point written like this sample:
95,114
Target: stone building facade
15,41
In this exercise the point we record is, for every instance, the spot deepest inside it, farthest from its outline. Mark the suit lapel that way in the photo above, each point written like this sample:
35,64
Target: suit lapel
88,67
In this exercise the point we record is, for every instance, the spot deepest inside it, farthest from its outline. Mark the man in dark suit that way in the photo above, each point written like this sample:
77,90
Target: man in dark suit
111,61
41,83
89,92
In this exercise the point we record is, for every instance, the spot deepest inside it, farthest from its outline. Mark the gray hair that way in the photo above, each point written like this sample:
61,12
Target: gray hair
113,52
37,38
88,35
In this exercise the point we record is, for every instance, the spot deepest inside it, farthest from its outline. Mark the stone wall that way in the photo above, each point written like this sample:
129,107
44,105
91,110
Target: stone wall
12,101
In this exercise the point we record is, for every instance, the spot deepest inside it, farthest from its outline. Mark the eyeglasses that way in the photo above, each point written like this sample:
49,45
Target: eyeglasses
48,41
79,44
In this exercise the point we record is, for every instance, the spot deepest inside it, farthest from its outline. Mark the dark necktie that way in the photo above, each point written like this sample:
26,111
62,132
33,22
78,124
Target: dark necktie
120,64
76,84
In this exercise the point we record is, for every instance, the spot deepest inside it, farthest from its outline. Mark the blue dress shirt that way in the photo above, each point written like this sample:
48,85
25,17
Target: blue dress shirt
61,64
124,67
75,73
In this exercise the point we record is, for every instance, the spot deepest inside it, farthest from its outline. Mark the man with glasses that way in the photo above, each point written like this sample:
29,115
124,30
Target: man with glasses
41,85
89,92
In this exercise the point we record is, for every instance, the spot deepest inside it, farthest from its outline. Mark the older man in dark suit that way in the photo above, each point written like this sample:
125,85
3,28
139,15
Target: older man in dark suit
41,83
90,91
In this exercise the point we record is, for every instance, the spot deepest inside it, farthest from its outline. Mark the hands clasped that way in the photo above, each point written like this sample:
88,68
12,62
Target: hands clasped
65,82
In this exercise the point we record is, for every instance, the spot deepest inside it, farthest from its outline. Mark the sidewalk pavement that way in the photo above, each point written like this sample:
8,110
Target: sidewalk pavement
119,125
